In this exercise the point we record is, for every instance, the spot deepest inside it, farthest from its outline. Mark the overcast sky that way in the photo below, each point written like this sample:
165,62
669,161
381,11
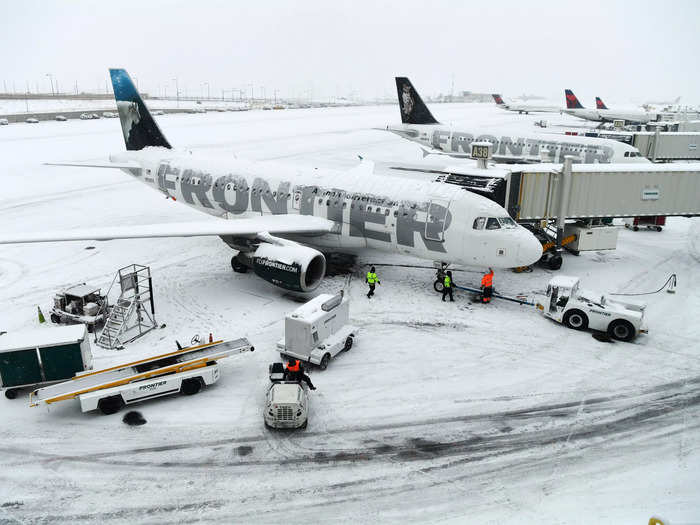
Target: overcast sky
621,50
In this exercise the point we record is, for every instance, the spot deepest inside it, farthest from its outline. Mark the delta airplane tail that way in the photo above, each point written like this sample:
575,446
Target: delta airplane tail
571,100
138,126
413,110
600,104
498,99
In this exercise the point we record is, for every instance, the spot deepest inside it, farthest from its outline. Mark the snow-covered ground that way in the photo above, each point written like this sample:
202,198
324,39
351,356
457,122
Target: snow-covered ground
441,412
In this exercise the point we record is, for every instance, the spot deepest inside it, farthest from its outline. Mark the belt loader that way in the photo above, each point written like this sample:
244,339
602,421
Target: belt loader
186,370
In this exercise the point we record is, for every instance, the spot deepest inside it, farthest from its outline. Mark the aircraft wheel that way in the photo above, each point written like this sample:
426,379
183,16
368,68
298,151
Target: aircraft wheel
621,330
576,319
238,266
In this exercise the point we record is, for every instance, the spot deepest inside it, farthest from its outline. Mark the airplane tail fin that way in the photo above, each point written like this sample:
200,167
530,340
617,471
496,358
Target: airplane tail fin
498,99
138,126
571,100
599,104
413,110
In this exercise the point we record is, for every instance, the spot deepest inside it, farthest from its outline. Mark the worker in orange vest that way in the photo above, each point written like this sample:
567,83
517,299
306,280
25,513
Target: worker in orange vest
487,286
295,372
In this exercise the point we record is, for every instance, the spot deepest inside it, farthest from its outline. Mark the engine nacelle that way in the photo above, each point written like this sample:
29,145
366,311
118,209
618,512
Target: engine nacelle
289,265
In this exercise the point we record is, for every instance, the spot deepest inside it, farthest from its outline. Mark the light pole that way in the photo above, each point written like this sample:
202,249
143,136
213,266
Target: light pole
50,80
177,92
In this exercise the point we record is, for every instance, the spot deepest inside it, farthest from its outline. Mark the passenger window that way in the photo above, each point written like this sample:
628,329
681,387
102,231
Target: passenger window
315,337
479,223
492,224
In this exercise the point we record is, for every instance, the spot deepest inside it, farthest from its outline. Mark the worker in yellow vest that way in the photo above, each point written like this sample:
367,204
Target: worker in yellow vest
447,285
372,281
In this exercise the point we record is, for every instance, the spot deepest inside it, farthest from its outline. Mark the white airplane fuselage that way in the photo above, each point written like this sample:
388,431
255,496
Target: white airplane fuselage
519,147
429,220
610,115
528,108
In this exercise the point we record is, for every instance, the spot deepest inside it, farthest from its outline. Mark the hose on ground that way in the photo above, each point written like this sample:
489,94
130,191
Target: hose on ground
670,283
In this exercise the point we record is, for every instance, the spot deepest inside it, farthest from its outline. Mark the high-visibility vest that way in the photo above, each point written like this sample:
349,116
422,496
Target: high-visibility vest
371,277
293,367
448,281
487,280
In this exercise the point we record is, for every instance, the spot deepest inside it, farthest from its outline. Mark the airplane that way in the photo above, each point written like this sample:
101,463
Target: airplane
523,108
603,114
419,125
283,218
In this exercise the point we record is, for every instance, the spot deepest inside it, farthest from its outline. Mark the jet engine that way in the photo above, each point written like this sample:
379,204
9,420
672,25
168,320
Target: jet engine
288,265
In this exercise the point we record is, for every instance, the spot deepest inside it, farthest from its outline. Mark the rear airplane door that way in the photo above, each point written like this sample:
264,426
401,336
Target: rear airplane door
435,219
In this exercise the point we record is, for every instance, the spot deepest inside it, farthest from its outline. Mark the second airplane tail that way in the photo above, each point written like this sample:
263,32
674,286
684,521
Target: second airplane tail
599,104
138,126
571,100
413,110
498,99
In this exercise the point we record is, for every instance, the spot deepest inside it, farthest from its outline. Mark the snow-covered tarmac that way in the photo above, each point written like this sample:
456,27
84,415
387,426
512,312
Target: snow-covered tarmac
440,412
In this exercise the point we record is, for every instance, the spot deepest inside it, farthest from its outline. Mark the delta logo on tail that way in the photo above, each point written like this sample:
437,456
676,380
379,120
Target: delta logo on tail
600,104
571,100
498,99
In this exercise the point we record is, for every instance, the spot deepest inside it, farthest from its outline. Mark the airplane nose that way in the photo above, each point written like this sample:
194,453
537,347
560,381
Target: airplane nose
530,249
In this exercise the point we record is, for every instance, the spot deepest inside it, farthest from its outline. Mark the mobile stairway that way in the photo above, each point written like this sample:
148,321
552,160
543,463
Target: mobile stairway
133,314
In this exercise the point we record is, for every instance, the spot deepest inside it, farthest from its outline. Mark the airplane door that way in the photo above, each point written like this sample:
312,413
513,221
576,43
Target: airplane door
435,220
296,199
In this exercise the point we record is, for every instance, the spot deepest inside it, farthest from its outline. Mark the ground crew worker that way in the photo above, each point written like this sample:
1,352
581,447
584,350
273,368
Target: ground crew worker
487,286
295,372
372,281
447,283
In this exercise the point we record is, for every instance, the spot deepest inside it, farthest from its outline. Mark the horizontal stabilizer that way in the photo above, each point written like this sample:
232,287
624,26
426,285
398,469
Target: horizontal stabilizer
273,224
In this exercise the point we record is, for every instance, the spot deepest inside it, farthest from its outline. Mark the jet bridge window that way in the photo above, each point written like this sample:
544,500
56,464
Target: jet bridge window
492,224
479,223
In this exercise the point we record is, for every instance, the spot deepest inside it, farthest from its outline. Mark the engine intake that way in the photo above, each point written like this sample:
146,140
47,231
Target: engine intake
290,265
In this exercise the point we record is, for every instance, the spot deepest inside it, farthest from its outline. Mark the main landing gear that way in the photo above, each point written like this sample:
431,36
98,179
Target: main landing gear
237,265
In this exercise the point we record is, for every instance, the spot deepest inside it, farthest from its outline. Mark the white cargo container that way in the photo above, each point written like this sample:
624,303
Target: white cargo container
591,238
318,330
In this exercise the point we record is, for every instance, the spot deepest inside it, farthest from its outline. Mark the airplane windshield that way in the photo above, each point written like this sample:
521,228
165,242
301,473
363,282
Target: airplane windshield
507,222
492,224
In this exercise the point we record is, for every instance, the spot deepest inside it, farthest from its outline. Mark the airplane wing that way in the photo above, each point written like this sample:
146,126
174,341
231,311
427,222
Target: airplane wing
249,227
114,165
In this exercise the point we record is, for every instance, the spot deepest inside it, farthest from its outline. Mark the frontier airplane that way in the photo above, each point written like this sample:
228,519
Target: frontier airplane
419,125
523,107
282,218
603,114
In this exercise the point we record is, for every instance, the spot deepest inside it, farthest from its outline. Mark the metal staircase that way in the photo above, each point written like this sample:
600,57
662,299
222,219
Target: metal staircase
133,314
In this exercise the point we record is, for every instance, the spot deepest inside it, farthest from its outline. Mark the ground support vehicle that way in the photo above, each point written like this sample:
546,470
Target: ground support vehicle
580,309
287,402
319,330
81,303
186,370
42,357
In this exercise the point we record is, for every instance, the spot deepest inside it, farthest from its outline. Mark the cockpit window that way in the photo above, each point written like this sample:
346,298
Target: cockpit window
492,224
507,222
479,223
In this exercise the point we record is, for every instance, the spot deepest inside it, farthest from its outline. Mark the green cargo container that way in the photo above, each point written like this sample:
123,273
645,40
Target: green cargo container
43,356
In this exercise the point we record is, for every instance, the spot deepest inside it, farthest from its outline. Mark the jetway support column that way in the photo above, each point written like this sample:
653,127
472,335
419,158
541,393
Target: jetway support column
564,190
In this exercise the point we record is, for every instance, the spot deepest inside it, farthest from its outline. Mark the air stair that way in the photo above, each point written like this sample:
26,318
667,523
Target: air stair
133,314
